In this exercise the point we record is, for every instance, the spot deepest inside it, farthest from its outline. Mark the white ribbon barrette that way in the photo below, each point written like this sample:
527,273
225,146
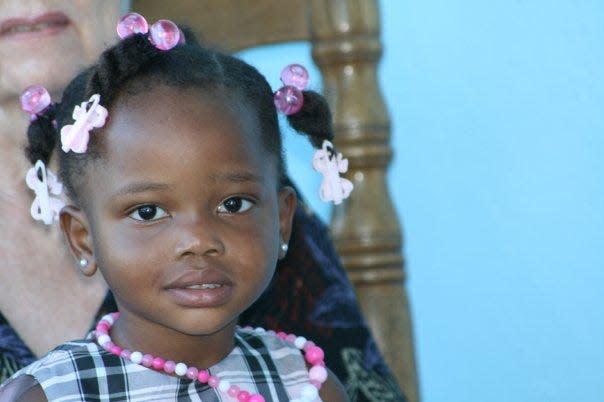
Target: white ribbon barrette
44,207
88,115
330,164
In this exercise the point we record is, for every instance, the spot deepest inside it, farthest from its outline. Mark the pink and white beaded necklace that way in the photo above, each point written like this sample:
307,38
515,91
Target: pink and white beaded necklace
313,355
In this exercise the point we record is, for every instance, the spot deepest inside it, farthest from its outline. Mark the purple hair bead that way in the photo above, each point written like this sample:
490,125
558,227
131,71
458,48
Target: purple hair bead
130,24
295,75
34,100
288,99
164,34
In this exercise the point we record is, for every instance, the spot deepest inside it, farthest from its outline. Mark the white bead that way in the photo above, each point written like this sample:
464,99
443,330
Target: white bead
309,392
180,369
136,357
300,341
260,330
103,339
109,319
224,385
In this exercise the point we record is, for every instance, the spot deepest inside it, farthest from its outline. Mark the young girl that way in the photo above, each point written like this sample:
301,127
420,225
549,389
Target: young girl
171,156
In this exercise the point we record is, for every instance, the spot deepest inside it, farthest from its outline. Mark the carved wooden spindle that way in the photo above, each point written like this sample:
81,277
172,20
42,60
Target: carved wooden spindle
346,47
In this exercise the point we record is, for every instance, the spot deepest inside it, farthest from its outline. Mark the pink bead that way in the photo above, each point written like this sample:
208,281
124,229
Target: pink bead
288,99
107,346
34,99
164,34
116,350
317,373
147,360
169,366
317,384
314,355
256,398
308,345
243,396
203,376
158,363
130,24
233,391
103,327
281,335
213,381
295,75
192,373
291,338
126,354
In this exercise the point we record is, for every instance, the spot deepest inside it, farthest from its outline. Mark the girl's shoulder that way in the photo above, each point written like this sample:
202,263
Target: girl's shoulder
27,383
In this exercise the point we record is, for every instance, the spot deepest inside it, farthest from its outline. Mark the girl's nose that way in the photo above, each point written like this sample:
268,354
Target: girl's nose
198,238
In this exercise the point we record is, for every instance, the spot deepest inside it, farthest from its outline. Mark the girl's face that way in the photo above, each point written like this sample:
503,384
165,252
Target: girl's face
184,216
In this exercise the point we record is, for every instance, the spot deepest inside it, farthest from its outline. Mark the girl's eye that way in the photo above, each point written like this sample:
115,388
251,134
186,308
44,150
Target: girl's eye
148,213
235,205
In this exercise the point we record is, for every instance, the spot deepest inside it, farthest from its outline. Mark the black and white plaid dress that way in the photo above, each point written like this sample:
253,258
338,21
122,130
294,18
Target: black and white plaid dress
83,371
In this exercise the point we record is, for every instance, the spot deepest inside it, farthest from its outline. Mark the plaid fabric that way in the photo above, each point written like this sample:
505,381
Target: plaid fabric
82,371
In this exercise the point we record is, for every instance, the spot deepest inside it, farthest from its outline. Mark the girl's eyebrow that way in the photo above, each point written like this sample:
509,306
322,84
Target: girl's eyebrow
238,177
140,187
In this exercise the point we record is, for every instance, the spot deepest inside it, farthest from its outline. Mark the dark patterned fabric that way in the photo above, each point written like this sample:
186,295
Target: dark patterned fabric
311,296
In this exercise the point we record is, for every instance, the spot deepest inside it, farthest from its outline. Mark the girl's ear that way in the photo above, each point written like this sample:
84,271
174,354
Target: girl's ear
287,207
76,230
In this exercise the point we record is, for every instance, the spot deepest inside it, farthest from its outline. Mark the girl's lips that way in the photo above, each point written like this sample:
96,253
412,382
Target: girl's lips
43,25
200,288
202,297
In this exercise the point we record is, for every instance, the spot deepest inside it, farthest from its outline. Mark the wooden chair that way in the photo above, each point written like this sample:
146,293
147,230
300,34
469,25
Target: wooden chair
346,47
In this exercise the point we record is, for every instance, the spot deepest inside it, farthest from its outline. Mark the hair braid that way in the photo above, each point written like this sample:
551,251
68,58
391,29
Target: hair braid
42,137
313,119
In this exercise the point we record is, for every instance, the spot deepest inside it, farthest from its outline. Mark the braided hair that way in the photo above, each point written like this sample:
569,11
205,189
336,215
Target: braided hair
134,65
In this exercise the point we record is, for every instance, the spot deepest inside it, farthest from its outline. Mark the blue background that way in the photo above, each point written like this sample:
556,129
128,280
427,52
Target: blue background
498,178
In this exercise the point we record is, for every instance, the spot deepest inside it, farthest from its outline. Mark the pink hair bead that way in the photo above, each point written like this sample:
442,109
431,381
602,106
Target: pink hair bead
233,391
130,24
256,398
295,75
147,360
164,34
243,396
288,99
203,376
34,99
314,355
158,363
192,373
169,366
213,381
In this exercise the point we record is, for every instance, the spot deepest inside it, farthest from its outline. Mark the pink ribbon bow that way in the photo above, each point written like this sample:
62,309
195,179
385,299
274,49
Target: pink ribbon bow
87,116
44,207
330,165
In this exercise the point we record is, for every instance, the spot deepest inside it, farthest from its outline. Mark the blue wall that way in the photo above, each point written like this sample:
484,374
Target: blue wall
497,110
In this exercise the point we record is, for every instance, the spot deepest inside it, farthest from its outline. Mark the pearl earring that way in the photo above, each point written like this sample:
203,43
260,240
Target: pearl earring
284,247
83,262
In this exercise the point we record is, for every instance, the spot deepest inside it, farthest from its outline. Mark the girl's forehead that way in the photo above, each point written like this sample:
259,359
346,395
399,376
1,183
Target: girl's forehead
169,125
